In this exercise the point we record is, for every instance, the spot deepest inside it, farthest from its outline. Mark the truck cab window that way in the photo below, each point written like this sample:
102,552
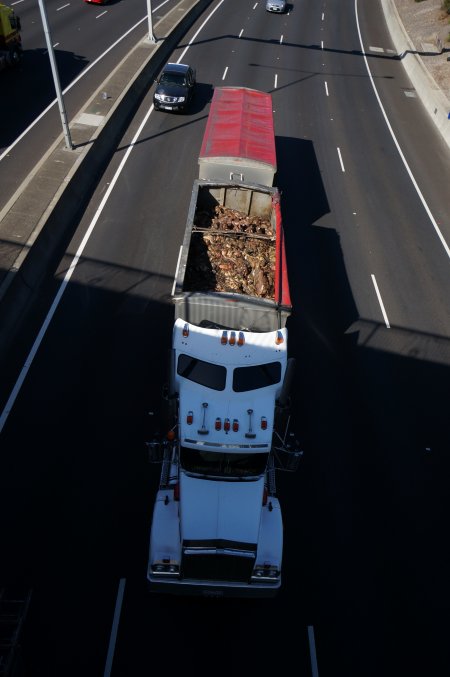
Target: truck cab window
259,376
204,373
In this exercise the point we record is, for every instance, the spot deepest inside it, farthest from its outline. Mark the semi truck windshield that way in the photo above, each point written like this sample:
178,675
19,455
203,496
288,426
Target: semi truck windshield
206,374
218,464
259,376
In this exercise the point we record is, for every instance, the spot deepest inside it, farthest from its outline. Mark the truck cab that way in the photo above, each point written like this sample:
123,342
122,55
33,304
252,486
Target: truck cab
217,528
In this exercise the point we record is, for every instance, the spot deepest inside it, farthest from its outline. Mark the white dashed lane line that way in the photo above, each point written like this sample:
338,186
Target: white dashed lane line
340,159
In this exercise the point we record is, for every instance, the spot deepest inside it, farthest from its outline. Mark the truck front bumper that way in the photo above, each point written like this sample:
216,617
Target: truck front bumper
213,589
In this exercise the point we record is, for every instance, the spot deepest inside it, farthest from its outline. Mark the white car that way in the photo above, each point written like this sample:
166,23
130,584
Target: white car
276,6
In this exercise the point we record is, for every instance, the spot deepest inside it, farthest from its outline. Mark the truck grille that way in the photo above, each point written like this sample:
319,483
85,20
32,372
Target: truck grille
218,565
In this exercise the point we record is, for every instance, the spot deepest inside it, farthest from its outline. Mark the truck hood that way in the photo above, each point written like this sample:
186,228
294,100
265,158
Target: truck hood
217,511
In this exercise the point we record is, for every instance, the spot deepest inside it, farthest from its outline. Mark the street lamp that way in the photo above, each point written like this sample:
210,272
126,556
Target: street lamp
151,36
51,55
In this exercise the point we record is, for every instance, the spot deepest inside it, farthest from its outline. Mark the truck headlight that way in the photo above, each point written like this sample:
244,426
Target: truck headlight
165,568
266,572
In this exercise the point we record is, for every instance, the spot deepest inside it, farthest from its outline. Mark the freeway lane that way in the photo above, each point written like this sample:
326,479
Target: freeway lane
89,41
363,559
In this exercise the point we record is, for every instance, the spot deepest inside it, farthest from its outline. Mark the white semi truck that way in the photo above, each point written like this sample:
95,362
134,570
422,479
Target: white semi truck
217,527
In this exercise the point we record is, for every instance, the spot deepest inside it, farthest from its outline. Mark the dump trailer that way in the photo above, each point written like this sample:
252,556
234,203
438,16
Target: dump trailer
232,265
239,139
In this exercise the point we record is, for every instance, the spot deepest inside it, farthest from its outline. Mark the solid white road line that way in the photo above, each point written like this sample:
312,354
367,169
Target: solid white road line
176,270
312,652
115,627
380,301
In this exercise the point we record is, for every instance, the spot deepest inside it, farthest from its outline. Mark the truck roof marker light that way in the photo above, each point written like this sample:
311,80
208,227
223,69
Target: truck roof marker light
263,423
232,338
226,424
241,339
218,424
250,434
279,338
224,339
190,417
235,425
204,430
186,330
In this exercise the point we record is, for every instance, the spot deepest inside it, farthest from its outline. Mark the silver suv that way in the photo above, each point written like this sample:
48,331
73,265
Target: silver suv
276,6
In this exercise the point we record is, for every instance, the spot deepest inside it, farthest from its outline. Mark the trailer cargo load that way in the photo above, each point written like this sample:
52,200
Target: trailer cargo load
243,222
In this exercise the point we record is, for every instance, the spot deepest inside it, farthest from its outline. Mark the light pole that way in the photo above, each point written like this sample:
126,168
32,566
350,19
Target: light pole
51,55
151,36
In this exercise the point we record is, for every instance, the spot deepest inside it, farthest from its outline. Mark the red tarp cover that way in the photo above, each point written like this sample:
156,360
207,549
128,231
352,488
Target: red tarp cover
240,124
